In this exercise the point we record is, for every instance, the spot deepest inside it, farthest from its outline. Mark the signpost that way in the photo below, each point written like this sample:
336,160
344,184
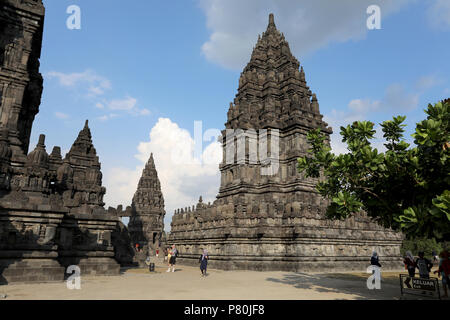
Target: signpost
419,286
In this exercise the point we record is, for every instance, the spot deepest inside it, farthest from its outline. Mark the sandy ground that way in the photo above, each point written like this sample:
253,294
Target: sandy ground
187,283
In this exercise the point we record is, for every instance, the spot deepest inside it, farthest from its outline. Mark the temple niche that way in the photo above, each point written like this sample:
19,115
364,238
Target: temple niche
267,216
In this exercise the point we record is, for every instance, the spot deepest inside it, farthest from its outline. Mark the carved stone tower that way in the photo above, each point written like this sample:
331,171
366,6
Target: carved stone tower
21,27
267,216
87,187
274,108
146,224
51,211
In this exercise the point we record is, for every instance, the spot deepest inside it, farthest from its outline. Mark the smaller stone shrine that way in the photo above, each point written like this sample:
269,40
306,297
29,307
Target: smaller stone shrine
52,215
146,226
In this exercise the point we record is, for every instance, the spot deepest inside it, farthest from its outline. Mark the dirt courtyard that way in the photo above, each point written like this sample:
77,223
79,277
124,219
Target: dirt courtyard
186,283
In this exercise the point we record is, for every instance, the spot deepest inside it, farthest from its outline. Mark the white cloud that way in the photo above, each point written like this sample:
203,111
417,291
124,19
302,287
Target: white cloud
122,104
183,177
438,15
61,115
395,100
359,106
107,116
128,105
307,25
96,85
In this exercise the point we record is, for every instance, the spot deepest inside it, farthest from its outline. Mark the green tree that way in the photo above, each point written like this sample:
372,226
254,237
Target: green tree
404,188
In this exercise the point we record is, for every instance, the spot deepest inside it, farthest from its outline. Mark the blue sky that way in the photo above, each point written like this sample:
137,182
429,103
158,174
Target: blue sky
143,71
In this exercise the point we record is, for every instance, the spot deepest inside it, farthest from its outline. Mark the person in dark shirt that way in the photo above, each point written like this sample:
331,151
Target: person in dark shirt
374,259
204,262
424,265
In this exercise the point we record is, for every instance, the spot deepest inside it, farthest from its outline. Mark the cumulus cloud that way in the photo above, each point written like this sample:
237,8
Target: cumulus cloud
183,176
308,25
395,100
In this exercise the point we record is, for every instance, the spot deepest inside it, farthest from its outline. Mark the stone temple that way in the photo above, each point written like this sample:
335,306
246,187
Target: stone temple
147,213
51,208
266,216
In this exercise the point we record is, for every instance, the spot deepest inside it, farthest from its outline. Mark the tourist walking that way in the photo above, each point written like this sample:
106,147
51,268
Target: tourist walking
203,262
374,261
424,265
173,258
444,271
410,264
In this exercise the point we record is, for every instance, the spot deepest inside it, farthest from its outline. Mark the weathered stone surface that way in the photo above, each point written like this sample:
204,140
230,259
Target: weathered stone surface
21,27
51,210
146,226
275,221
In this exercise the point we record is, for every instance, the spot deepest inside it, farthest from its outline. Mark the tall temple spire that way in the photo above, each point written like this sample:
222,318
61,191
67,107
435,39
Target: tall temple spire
273,92
83,143
83,158
147,220
271,22
151,162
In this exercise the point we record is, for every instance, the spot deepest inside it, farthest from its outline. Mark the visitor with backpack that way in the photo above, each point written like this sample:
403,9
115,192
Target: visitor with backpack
410,264
374,260
424,265
203,260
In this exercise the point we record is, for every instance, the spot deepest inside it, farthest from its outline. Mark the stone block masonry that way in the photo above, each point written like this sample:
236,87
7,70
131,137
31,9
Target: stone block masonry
275,221
51,209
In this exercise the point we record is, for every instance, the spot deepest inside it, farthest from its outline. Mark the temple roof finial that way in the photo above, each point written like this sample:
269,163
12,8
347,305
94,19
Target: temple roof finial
41,141
271,20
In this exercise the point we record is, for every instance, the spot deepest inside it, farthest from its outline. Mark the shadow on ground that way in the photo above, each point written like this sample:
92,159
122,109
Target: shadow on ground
341,283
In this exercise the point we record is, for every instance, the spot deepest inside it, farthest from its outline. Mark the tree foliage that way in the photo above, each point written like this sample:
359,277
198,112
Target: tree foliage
404,188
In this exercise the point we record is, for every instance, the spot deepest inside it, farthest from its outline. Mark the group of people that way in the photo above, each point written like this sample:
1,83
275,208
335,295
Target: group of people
171,253
424,266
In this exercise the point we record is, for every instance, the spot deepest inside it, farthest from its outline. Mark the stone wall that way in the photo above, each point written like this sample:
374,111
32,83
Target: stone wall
51,209
267,216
